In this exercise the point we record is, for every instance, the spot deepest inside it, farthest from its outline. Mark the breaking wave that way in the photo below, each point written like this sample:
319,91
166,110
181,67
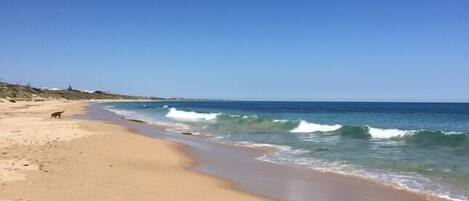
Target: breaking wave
134,115
257,124
388,133
190,116
228,125
308,127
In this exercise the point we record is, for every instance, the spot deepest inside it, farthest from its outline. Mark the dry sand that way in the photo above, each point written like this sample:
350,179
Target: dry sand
69,159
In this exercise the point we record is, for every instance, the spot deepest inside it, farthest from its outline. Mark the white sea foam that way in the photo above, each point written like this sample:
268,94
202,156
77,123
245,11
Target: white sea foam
388,133
280,121
452,133
128,114
253,144
412,182
190,116
171,126
308,127
289,155
282,151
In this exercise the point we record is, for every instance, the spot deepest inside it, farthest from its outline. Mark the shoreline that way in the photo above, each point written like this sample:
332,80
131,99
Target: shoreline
74,159
78,158
205,165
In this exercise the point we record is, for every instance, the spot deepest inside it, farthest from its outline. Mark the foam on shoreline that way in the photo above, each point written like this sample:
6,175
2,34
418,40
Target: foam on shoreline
286,155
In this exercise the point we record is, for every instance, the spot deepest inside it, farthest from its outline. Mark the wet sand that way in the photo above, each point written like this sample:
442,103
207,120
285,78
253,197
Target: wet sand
279,182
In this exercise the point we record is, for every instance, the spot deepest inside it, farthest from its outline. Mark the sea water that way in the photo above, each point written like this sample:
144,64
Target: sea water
422,147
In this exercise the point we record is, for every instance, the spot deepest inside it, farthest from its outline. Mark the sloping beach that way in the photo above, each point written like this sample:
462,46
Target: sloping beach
234,100
69,159
75,159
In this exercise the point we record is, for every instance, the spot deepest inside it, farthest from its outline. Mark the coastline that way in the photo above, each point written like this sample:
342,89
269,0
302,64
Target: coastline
238,164
110,158
73,159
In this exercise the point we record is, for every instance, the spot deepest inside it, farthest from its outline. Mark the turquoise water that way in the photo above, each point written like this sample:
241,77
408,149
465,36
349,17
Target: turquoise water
419,146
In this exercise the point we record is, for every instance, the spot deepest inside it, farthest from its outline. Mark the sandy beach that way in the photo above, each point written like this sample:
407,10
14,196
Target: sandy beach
76,159
234,100
70,159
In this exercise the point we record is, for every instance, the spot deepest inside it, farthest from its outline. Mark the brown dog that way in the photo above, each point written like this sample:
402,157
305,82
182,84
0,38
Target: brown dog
56,114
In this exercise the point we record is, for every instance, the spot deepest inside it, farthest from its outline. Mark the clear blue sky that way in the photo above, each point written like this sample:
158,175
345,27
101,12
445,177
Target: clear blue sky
389,50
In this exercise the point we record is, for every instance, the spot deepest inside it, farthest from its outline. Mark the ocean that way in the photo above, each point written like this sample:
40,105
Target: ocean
423,147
